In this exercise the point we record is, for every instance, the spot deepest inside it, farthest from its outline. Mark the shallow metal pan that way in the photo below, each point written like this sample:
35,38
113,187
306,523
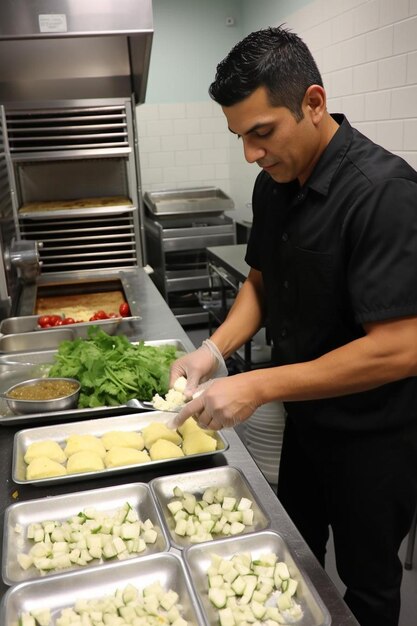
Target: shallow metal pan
37,340
62,507
198,558
97,427
18,367
196,483
59,592
29,323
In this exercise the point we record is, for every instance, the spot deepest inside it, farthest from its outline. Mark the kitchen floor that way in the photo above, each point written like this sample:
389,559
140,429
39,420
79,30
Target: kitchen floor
409,584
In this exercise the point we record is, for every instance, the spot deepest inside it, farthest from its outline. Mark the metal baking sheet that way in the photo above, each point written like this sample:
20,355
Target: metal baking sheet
29,323
97,427
198,200
32,341
198,558
59,592
196,482
18,367
60,508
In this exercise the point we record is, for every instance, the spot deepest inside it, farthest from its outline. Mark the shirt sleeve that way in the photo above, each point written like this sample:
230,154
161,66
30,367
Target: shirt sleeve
380,232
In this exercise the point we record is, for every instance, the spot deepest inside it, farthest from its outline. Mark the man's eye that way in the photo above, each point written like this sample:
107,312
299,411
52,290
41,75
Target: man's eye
263,133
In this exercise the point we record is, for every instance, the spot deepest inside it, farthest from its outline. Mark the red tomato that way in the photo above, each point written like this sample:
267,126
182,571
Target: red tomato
59,323
124,309
68,320
93,318
54,319
113,315
43,321
101,315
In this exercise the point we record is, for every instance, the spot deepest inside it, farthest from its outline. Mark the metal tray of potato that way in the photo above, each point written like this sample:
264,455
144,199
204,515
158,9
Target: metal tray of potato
196,482
96,427
60,508
198,558
18,367
29,323
59,592
36,340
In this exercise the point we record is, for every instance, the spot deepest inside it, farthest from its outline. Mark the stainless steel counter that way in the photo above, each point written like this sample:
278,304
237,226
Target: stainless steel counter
159,323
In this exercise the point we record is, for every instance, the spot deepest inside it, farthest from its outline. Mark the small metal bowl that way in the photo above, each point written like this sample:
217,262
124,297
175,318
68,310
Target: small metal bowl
23,407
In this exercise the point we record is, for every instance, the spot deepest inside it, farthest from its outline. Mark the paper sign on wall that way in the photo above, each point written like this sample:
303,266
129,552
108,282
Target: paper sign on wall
53,23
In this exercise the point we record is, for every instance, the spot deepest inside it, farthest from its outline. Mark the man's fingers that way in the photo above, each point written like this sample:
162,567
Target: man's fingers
194,407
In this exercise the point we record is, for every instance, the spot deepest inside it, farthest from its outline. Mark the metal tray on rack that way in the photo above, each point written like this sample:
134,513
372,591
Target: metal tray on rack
195,201
18,367
198,559
96,427
60,508
59,592
196,482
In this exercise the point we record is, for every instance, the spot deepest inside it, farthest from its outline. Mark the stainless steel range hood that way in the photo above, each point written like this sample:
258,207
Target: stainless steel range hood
74,49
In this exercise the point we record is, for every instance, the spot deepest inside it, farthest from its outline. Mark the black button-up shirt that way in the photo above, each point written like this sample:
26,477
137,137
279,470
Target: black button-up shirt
338,252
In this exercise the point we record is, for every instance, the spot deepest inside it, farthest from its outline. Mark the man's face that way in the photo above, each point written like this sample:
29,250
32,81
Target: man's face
273,138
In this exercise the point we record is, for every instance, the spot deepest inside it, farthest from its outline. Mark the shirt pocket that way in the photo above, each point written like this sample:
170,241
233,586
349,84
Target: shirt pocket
316,288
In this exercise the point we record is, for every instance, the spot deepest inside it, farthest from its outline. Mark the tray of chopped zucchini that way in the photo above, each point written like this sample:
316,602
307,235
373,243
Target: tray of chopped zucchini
253,578
156,592
108,446
76,530
207,504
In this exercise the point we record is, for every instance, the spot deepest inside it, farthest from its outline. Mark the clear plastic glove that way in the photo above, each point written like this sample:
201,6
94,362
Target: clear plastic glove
199,366
223,404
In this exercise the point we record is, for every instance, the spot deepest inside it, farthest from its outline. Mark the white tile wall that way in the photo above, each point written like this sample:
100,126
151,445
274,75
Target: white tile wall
369,66
183,145
367,52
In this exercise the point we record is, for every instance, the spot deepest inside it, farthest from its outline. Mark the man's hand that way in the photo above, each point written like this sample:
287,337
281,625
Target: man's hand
198,367
225,403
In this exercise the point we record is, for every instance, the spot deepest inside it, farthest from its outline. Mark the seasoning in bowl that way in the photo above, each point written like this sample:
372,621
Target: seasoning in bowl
43,390
43,394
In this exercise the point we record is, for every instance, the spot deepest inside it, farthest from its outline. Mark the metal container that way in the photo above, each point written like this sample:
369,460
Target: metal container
28,323
18,367
196,482
41,340
63,403
195,201
60,508
58,592
96,427
198,559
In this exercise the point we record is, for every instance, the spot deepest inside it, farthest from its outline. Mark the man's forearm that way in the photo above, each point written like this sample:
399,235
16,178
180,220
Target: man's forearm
386,354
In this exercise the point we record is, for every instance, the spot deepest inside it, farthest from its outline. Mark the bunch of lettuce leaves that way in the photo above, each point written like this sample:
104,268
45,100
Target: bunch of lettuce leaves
112,370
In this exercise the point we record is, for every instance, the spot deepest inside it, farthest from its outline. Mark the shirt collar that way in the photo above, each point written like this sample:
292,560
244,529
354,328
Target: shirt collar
332,156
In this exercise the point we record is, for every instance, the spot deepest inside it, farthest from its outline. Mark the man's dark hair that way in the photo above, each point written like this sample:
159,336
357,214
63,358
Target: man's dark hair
273,58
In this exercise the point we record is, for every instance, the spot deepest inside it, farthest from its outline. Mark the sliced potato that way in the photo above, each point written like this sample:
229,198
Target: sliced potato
51,449
123,439
42,467
119,456
155,431
164,449
84,443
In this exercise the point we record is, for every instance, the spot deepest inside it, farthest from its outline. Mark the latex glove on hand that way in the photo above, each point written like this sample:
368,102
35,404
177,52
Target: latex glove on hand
199,366
223,404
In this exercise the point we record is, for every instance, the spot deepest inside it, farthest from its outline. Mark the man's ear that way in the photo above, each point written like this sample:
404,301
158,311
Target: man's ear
315,102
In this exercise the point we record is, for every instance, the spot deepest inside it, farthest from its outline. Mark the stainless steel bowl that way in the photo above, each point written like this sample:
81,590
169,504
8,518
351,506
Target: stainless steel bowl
22,407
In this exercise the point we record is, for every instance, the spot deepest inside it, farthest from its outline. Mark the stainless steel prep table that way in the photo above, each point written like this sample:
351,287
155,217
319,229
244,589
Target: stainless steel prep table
159,323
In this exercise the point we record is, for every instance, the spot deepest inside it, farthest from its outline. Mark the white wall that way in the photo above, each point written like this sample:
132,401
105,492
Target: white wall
365,49
367,53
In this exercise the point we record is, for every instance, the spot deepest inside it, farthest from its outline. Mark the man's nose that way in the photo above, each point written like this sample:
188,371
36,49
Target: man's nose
252,152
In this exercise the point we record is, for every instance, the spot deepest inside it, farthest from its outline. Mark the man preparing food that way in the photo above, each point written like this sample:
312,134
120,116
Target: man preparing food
333,257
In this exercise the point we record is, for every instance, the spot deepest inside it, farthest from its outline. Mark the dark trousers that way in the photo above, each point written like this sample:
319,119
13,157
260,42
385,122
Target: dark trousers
365,487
